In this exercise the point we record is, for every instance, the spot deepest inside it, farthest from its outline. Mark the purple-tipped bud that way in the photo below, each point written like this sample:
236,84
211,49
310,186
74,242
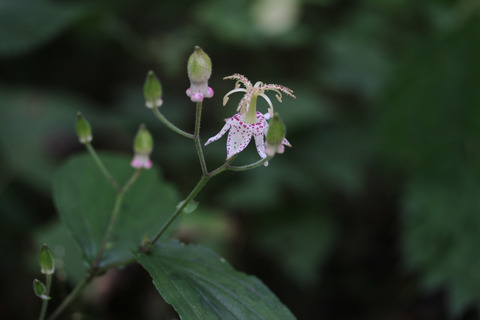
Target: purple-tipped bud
199,69
143,146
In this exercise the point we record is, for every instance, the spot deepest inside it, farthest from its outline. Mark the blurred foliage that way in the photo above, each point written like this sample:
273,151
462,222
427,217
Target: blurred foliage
430,126
25,24
386,91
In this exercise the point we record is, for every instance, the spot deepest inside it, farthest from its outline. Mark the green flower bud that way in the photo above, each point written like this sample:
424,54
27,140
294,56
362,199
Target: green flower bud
199,66
84,132
199,69
143,146
40,290
275,139
152,91
46,260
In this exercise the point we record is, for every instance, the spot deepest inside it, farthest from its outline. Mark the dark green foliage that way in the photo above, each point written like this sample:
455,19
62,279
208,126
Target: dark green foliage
202,285
85,199
430,126
387,92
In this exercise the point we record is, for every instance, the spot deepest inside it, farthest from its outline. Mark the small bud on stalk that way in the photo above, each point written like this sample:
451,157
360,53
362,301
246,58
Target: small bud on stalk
84,131
152,91
46,260
40,290
142,146
199,71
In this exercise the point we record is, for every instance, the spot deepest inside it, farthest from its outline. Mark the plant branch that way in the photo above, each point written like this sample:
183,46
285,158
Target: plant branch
113,217
43,312
201,183
71,297
102,167
249,166
170,125
198,144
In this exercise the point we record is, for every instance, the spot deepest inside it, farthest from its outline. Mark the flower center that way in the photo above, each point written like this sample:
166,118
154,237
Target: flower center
251,114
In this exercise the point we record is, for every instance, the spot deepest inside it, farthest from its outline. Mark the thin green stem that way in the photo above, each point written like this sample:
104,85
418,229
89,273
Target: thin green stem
108,232
102,167
222,168
70,298
170,125
130,181
43,312
113,217
249,166
198,144
201,183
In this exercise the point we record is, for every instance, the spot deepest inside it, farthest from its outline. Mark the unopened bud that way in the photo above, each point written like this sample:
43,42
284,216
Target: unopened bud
46,260
199,69
152,91
40,290
84,132
142,146
199,66
275,140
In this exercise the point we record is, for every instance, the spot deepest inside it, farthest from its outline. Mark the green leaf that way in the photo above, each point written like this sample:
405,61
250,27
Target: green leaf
85,199
25,24
200,284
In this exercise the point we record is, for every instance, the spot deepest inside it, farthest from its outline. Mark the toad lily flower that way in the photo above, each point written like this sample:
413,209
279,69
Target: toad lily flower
248,121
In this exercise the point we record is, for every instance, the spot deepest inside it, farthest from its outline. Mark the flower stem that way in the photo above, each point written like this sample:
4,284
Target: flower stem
113,217
43,312
76,291
170,125
198,144
70,298
106,236
222,168
249,166
201,183
100,164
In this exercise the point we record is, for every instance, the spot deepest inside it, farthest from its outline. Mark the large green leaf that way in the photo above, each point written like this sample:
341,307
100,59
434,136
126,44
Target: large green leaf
85,199
27,23
202,285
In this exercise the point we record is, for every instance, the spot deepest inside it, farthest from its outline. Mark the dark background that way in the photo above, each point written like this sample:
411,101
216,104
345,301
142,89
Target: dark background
373,214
